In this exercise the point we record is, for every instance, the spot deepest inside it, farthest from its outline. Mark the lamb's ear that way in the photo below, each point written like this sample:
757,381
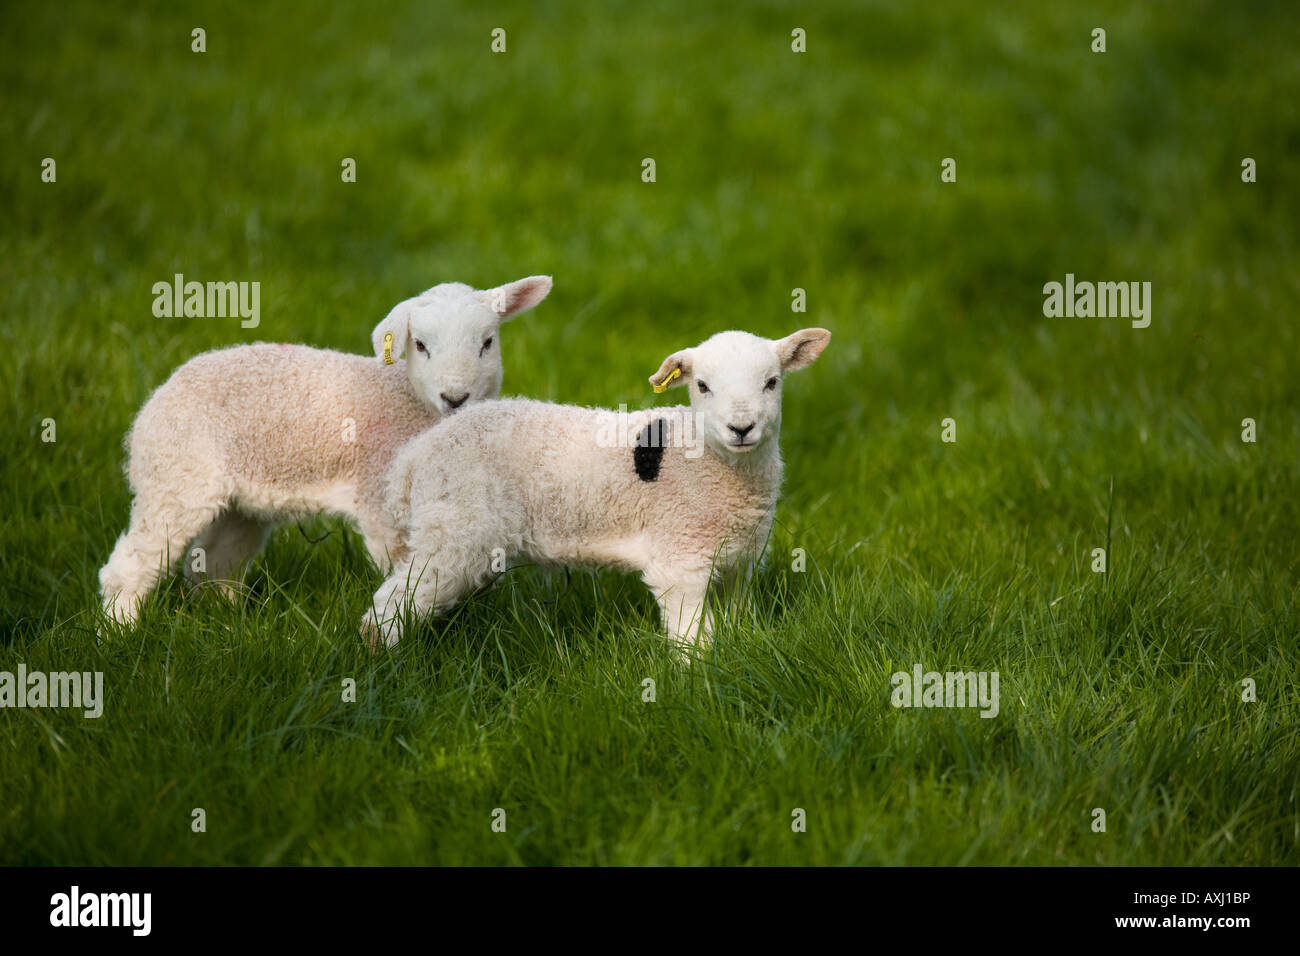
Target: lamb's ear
397,323
510,299
801,348
675,370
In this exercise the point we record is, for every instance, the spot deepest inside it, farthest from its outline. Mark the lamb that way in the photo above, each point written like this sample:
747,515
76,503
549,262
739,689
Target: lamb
684,496
242,438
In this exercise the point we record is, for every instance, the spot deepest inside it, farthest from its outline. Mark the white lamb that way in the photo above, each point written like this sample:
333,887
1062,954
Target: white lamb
241,438
685,496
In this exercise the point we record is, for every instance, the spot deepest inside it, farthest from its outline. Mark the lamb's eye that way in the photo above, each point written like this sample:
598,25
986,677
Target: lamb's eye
487,344
419,347
771,383
704,389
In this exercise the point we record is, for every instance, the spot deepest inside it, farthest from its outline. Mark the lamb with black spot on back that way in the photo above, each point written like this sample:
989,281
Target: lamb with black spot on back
683,496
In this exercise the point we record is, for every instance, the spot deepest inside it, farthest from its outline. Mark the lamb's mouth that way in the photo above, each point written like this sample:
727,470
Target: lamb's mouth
741,445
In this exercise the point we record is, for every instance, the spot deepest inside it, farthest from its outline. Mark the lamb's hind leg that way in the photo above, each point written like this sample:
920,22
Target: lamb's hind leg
221,553
156,538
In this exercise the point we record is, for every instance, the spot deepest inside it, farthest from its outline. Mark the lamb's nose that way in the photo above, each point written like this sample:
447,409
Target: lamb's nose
742,432
456,402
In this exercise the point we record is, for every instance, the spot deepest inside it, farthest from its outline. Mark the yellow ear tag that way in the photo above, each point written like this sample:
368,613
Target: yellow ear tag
663,386
388,348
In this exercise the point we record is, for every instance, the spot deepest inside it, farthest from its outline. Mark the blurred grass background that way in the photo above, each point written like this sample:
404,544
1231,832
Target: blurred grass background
775,170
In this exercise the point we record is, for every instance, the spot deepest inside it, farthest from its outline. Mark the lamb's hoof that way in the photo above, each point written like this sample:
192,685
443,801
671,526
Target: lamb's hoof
372,635
118,617
688,649
223,589
685,652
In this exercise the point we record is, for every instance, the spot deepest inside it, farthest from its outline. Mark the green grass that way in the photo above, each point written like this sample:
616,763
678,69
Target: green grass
775,170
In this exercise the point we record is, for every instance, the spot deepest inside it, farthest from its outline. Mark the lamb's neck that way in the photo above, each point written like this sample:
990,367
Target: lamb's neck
760,469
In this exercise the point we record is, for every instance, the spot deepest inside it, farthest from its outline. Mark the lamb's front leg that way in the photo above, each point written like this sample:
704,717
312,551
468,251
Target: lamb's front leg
384,543
382,626
382,532
682,609
421,587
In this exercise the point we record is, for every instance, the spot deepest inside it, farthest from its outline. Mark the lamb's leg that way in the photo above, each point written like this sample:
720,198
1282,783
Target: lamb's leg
228,545
383,512
422,586
155,539
382,626
383,541
682,609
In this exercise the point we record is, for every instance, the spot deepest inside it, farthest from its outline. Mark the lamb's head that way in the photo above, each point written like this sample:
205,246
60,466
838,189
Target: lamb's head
735,384
449,336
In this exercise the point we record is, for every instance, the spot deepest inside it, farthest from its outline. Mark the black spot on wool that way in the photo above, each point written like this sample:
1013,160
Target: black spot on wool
648,454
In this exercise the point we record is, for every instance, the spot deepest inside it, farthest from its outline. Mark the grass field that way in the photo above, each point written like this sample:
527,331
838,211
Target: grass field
774,171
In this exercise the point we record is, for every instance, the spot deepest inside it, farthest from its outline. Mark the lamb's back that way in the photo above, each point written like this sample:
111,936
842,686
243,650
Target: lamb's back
281,414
